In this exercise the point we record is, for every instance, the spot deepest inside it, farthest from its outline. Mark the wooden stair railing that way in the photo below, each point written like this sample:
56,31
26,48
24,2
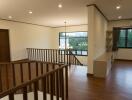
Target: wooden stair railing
16,73
74,59
54,83
53,55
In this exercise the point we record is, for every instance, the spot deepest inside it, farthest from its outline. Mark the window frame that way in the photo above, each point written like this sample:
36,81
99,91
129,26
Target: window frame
75,37
126,39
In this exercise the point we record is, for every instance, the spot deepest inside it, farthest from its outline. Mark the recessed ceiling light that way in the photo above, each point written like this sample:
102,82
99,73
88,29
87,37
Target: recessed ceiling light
10,17
60,5
118,7
119,17
30,12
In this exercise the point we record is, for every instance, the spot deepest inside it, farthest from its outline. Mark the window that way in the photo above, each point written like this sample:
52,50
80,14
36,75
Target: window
76,41
125,38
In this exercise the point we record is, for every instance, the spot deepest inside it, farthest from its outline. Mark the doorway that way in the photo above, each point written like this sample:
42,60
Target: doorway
4,46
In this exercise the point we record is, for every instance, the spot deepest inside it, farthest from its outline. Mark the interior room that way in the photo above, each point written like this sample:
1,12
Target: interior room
65,50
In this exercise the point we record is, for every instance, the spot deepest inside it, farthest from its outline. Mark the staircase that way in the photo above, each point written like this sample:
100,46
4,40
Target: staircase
33,80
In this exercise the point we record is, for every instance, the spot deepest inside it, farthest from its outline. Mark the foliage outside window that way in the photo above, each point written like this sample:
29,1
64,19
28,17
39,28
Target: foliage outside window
125,38
76,41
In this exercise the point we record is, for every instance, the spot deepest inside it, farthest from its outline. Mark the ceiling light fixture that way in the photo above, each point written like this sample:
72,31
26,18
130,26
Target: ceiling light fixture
60,6
10,17
30,12
118,7
119,17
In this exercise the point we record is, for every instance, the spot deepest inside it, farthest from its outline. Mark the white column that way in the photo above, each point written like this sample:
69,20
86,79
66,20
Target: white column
91,38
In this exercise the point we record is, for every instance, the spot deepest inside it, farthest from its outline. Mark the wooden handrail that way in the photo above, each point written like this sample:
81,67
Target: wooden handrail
64,56
43,78
20,62
78,62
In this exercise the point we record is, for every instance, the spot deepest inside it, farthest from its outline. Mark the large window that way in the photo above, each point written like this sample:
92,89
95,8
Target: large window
76,41
125,38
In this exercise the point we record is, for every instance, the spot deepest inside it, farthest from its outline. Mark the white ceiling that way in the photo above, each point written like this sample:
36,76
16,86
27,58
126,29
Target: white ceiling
46,12
108,7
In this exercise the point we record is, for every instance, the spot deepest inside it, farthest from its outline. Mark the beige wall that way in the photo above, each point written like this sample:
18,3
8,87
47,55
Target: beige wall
122,53
55,38
24,36
97,27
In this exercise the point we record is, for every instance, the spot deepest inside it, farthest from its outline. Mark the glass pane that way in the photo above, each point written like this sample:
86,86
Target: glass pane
122,37
62,43
84,52
129,39
78,52
62,34
76,34
74,52
77,41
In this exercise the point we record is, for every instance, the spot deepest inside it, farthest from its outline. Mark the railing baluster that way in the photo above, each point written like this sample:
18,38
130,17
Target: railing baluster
64,55
11,96
67,56
57,86
40,55
25,93
47,79
61,56
53,55
51,86
13,72
7,78
21,71
56,55
29,70
62,83
49,56
0,79
44,88
66,81
53,80
35,54
42,71
36,69
43,56
69,61
29,74
35,90
46,56
28,54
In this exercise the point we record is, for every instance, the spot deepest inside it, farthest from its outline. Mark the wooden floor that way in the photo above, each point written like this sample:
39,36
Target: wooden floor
118,86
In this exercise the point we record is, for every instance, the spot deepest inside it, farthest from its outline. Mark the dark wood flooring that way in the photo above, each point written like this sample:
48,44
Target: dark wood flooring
118,86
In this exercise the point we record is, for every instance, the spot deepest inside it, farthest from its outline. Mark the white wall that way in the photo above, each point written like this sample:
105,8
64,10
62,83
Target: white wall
122,53
24,36
55,38
97,27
